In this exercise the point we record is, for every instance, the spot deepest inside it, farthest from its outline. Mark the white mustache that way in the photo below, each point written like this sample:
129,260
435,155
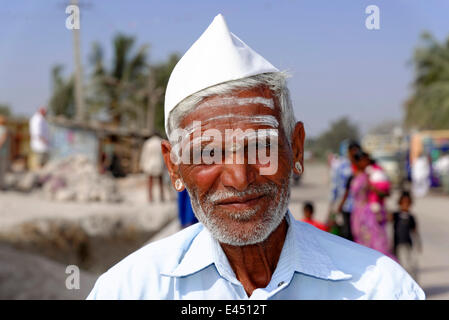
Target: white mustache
253,191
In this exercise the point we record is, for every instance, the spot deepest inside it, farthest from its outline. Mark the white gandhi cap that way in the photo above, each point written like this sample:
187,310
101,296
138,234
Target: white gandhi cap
217,56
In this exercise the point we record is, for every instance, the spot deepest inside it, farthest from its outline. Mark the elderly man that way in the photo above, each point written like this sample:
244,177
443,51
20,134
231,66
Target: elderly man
247,244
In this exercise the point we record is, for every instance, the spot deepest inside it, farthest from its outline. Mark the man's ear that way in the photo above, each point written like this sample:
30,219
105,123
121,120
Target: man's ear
298,138
173,168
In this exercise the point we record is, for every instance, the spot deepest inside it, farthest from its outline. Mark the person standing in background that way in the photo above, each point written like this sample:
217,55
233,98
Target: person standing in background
341,198
111,159
40,137
4,151
406,236
421,176
367,228
152,163
379,190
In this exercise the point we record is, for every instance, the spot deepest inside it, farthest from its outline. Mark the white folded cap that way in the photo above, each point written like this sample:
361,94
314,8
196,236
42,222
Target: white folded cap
217,56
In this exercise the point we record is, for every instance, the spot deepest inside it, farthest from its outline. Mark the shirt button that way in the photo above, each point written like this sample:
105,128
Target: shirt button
280,283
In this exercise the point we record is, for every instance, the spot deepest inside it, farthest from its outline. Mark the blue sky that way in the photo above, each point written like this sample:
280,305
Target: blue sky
338,67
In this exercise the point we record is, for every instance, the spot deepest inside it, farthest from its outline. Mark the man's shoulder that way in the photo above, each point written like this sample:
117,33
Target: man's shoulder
145,266
162,253
339,248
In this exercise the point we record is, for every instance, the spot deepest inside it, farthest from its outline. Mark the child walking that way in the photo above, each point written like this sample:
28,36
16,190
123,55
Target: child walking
406,236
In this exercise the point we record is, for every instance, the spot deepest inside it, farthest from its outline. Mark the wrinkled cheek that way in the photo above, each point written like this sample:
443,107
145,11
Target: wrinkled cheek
202,179
276,170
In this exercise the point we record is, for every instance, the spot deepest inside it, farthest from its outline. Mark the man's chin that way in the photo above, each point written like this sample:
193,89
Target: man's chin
242,227
240,231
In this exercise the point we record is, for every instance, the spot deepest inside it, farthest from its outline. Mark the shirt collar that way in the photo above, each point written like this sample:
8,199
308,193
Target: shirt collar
198,256
301,253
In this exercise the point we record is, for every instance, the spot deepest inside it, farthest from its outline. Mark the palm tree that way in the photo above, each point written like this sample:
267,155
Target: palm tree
62,100
120,90
161,73
5,110
428,107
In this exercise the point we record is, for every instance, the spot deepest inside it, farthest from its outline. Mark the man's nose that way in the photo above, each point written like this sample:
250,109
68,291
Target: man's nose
237,176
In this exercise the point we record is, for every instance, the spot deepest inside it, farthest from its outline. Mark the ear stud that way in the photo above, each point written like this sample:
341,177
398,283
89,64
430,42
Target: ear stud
178,184
298,167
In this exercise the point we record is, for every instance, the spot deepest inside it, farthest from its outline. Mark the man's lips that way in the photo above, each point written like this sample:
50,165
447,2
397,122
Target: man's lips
240,201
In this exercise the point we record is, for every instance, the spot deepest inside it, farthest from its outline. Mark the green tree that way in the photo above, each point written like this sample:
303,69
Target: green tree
330,140
130,91
120,90
428,106
62,100
5,110
161,73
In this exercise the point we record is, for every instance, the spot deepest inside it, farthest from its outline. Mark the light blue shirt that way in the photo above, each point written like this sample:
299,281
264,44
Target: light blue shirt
313,265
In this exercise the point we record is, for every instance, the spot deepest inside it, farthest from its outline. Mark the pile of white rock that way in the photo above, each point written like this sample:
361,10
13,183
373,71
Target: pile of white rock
76,178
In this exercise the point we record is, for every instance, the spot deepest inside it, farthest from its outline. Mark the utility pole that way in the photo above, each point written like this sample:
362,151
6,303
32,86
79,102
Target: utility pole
79,92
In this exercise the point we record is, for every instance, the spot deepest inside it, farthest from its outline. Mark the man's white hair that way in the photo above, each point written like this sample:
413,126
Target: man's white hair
275,81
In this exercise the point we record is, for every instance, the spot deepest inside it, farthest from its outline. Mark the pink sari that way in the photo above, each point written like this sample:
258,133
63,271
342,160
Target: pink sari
366,230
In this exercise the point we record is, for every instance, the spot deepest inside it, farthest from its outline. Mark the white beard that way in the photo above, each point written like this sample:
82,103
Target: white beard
225,234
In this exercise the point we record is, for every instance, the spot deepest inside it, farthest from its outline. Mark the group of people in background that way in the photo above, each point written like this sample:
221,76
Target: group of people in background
358,211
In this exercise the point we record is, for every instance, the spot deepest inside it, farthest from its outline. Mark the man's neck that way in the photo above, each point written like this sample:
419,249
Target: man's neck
254,264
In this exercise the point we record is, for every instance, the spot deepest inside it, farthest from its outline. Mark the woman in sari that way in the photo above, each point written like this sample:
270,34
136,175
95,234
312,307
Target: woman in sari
368,226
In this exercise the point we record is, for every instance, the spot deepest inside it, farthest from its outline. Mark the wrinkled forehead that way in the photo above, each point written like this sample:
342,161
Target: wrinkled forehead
244,109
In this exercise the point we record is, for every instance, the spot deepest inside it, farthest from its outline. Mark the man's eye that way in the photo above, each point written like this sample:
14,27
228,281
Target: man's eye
207,152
